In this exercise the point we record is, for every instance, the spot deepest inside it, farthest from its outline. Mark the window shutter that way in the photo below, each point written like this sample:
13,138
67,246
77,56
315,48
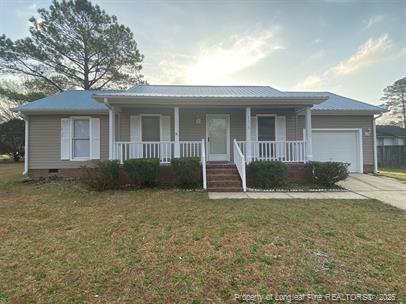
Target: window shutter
135,136
95,137
280,128
165,149
281,136
65,139
254,135
165,128
135,128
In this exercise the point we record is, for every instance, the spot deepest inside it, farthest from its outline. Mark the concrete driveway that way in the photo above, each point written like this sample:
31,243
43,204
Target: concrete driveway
385,189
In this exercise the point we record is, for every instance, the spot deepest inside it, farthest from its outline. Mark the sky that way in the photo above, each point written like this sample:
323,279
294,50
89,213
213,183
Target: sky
352,48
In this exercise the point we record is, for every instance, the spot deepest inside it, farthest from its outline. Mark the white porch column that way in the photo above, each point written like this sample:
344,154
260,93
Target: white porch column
308,128
112,133
176,122
26,138
248,152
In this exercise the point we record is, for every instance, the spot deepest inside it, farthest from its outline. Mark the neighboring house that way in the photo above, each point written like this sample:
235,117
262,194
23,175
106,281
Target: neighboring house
233,124
390,135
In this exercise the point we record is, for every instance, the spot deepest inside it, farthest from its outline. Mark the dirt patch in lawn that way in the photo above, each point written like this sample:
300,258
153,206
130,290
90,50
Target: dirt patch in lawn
61,243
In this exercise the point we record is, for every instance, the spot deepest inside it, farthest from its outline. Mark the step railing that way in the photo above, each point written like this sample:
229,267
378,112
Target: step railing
239,161
293,151
203,161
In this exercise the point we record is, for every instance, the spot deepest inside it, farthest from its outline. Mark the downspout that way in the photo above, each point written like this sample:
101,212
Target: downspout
375,145
26,144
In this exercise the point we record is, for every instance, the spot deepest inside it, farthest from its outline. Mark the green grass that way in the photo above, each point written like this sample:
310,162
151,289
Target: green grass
398,173
63,244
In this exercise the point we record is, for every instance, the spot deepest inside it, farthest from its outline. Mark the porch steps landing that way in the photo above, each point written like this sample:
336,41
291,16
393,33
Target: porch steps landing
223,178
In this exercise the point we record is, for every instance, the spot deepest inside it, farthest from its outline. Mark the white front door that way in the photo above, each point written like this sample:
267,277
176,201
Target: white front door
218,137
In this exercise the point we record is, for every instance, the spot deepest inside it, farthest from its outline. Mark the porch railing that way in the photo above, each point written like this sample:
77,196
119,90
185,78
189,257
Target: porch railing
164,150
285,151
239,161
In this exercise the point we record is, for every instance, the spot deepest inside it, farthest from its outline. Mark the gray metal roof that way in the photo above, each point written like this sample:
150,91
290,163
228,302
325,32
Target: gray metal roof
65,101
202,91
81,100
340,103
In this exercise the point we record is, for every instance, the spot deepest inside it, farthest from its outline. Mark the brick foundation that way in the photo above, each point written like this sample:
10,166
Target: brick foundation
297,173
165,174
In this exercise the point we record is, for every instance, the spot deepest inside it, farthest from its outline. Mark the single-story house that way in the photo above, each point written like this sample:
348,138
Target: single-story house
229,124
387,135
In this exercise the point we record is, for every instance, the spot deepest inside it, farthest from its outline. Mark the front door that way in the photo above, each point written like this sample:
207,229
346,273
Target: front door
218,137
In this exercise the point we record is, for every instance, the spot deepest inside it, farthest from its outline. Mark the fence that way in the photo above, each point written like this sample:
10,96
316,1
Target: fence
391,155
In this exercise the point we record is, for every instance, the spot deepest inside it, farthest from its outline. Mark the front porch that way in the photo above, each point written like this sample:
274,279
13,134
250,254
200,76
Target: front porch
237,135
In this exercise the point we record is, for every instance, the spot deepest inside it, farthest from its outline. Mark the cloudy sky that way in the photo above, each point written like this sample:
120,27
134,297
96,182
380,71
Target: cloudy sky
354,48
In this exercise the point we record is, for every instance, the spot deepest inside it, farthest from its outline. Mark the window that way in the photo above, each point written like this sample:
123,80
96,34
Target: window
150,128
81,138
266,128
266,132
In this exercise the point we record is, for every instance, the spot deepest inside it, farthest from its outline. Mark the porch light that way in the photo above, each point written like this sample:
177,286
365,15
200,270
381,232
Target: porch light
198,120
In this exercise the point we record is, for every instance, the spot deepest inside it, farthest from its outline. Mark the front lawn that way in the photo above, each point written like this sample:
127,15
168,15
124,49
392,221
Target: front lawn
61,243
398,173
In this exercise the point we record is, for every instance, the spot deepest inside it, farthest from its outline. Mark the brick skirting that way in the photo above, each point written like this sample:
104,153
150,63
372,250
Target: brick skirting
297,173
165,174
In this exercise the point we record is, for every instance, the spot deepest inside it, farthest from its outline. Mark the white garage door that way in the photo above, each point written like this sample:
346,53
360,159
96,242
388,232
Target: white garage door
341,146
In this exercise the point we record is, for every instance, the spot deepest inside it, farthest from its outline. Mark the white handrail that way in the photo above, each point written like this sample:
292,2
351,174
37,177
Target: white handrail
293,151
203,160
239,161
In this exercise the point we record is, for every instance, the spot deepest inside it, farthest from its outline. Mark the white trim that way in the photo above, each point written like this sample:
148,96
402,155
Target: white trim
376,170
359,139
72,119
227,117
26,144
265,115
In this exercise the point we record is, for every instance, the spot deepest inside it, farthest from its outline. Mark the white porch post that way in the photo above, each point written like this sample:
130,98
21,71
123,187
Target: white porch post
248,152
308,124
112,133
176,122
26,138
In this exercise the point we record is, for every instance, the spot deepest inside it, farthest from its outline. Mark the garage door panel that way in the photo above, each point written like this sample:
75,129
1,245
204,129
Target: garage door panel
341,146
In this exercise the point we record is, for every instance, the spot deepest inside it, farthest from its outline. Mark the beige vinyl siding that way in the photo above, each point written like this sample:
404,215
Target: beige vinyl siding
345,122
45,142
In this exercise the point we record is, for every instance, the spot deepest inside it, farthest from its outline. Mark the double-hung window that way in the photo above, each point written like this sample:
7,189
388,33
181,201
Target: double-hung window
81,138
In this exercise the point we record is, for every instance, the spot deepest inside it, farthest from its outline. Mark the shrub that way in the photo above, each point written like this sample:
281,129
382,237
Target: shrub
187,172
267,174
143,172
328,173
101,175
